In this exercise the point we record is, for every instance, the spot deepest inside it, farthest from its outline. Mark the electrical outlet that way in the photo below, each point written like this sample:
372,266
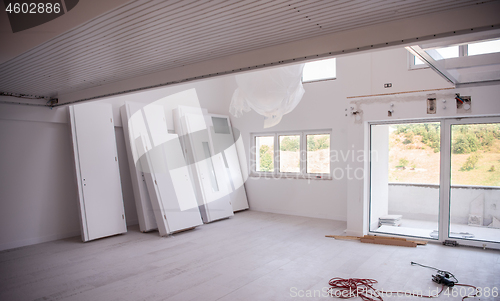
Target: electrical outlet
463,104
388,85
431,106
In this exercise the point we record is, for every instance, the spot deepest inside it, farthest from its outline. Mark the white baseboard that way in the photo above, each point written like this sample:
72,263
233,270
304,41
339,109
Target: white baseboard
289,212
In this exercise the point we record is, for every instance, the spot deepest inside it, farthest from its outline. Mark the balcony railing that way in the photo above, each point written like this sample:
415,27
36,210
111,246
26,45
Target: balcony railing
421,202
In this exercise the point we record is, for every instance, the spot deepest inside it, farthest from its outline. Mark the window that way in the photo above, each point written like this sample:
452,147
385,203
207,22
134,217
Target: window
320,70
447,52
415,63
318,153
298,154
264,153
437,54
457,51
289,153
483,47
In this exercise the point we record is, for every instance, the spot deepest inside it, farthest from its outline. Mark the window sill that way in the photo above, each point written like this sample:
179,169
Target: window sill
290,176
418,68
319,80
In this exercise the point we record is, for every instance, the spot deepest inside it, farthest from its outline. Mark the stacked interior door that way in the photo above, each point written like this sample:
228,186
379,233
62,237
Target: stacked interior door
97,172
166,175
222,139
134,128
212,185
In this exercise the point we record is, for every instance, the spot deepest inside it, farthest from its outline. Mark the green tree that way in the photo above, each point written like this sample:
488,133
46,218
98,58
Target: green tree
317,142
429,132
266,158
470,163
290,143
465,142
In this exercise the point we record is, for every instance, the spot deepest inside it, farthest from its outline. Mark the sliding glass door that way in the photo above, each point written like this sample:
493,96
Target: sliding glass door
404,174
474,185
437,180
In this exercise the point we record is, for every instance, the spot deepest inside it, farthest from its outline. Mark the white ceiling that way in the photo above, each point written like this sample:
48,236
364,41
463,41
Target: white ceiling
144,37
17,43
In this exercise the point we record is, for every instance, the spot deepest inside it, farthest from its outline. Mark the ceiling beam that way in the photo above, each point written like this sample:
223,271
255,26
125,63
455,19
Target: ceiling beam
435,65
398,33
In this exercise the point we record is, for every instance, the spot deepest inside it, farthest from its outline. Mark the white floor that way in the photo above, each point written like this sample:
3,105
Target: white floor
251,256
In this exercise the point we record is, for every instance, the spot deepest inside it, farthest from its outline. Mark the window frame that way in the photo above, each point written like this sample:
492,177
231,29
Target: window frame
445,176
253,154
456,62
278,161
302,174
317,175
411,63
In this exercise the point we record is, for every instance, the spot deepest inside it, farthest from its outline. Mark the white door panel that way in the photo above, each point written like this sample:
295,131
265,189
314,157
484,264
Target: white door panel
222,139
167,177
98,176
133,128
211,181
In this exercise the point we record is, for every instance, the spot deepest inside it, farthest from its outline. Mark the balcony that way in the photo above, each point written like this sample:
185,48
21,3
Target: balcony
474,214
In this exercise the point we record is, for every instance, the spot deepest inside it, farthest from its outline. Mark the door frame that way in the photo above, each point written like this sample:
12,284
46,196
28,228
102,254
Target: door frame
445,187
445,175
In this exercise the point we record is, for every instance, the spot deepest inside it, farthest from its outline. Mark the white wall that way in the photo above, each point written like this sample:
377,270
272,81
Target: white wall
38,199
390,66
212,94
38,194
323,106
320,108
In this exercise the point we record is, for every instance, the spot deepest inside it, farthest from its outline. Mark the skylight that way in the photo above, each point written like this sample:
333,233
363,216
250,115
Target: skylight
448,52
320,70
484,47
458,52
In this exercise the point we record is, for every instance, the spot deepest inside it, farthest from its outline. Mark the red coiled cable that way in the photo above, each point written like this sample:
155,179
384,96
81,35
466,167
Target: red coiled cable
352,288
363,288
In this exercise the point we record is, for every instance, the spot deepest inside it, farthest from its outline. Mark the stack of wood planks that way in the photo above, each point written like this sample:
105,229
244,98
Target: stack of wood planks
382,240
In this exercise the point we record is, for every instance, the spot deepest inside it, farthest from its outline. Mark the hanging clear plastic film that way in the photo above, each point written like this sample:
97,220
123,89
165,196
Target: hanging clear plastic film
271,93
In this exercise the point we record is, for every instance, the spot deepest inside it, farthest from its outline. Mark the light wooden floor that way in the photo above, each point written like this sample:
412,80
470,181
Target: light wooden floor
252,256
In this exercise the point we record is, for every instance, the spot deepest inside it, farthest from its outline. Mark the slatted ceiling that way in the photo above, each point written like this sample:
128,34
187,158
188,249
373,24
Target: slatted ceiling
144,37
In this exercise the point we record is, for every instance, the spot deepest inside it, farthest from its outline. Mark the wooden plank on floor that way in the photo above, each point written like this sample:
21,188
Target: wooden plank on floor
343,237
392,242
418,242
383,237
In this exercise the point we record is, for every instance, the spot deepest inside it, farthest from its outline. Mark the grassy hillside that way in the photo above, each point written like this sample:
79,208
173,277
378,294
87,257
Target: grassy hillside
414,155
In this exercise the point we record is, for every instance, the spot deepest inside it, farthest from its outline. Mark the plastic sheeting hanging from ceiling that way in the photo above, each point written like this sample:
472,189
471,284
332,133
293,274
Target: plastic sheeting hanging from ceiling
271,93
